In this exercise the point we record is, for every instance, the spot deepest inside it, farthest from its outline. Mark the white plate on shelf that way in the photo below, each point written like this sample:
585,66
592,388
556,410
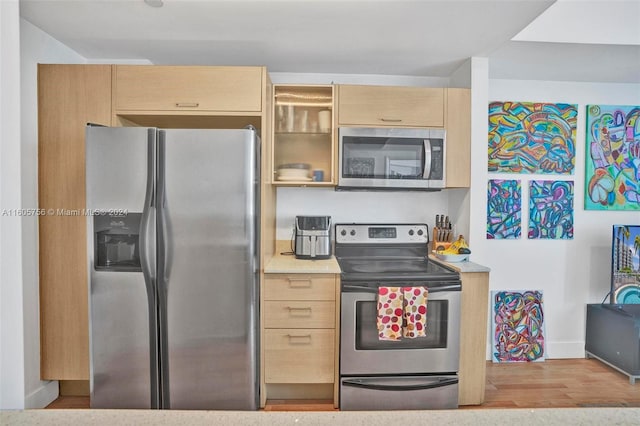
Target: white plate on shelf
451,258
294,178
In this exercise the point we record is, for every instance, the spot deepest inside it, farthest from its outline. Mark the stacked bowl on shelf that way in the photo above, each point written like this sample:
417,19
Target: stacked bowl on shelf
294,172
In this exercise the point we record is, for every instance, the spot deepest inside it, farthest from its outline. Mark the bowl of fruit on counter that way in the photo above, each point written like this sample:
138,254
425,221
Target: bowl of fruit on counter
457,251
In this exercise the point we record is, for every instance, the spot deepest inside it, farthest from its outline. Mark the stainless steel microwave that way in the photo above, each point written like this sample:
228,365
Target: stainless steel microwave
391,158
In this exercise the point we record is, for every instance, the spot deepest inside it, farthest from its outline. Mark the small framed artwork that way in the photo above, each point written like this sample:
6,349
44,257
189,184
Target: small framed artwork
504,209
550,209
518,326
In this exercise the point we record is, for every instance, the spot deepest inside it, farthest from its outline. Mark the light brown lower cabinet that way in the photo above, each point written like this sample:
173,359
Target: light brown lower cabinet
300,337
297,355
473,337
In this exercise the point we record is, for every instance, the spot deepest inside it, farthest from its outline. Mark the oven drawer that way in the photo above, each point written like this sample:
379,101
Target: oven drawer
299,314
299,356
299,287
399,392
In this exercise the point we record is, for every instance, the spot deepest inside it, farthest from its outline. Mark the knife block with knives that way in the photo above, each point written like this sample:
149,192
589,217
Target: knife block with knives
442,232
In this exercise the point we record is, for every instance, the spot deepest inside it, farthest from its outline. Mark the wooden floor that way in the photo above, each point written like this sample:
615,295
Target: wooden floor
548,384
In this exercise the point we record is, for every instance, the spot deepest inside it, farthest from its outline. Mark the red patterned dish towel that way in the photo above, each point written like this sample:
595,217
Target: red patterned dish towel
415,311
389,313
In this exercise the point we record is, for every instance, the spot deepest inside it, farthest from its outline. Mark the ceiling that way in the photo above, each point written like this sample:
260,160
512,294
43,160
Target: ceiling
410,38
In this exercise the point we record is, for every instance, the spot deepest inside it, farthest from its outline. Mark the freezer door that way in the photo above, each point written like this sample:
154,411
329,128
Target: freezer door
123,344
207,251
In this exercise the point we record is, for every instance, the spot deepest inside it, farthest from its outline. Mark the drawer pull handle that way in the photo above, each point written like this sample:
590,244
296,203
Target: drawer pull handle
299,339
299,311
187,104
391,120
300,283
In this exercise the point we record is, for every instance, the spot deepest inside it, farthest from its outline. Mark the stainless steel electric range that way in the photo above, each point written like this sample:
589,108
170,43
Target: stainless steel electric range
410,373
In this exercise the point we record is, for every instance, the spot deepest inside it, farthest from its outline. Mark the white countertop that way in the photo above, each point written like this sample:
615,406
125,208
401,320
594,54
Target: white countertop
462,267
288,264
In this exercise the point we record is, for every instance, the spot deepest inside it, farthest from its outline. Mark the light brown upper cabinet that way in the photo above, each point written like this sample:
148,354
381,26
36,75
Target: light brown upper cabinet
390,106
458,127
187,88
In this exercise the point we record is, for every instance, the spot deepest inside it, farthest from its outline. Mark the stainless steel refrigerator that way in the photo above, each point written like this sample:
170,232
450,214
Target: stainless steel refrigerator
172,228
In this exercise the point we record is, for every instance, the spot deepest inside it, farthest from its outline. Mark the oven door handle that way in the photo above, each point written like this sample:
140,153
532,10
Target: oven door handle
363,289
374,384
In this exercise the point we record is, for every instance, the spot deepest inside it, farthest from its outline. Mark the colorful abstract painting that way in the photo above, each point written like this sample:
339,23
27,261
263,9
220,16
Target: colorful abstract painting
612,170
531,137
504,209
551,209
518,326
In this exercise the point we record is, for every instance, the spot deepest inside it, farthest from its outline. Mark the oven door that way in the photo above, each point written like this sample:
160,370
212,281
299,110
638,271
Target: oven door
391,158
362,353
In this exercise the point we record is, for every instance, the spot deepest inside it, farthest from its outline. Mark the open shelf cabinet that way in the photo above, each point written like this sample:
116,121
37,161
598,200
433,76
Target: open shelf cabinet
303,135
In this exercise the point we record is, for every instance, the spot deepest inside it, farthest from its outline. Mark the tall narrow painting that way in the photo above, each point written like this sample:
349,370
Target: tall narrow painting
550,209
532,137
518,326
504,209
612,170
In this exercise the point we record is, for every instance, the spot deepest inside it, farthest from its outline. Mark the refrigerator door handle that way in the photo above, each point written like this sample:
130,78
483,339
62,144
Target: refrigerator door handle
164,223
163,245
146,234
148,263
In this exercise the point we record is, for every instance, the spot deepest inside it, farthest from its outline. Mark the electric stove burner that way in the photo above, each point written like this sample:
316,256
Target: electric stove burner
382,266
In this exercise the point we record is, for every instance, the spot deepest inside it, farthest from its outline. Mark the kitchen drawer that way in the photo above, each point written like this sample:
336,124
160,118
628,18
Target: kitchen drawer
299,356
390,106
299,314
299,287
187,88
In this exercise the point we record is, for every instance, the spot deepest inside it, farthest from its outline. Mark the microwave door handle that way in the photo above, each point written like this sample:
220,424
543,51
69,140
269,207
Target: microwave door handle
427,159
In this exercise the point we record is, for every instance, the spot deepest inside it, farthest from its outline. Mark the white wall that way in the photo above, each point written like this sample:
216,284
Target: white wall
12,386
36,47
571,273
357,206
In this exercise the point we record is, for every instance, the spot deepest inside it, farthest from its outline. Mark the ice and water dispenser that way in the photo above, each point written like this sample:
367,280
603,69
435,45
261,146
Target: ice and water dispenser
117,242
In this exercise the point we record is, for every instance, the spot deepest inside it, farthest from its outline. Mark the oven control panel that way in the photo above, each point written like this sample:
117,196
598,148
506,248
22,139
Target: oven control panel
382,233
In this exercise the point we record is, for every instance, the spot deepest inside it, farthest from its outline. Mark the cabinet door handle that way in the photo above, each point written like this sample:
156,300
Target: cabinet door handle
391,120
300,282
299,339
300,311
187,104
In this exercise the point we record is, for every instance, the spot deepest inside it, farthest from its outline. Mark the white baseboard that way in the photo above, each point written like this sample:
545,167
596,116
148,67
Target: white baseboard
557,350
43,396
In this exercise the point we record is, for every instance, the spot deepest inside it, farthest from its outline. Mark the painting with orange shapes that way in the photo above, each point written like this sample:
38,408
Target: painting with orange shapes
532,137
